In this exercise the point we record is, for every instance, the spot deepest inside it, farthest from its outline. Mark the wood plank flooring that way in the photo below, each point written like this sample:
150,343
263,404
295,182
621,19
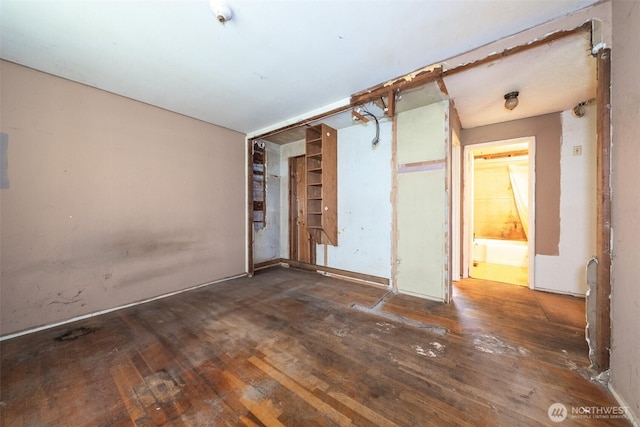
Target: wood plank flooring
296,348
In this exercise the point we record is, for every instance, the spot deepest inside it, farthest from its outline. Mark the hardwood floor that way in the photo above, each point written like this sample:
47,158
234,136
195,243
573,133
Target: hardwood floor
295,348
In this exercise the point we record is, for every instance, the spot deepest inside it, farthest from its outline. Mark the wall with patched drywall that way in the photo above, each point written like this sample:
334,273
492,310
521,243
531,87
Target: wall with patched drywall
566,272
547,130
422,201
565,193
109,201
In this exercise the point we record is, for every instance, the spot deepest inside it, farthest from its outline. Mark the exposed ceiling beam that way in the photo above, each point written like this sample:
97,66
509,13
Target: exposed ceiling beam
408,81
423,76
435,73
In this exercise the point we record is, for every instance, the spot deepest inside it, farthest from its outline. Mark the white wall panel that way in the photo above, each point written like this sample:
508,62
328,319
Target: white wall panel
566,272
364,202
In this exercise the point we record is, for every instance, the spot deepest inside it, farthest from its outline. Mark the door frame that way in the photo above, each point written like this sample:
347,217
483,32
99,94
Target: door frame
455,218
293,212
468,208
296,236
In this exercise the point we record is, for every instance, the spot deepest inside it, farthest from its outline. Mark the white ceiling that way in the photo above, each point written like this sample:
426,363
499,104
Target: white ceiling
275,59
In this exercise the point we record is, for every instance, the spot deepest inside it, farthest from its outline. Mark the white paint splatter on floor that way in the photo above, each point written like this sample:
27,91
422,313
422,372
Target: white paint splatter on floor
492,344
386,326
419,350
340,332
434,349
437,345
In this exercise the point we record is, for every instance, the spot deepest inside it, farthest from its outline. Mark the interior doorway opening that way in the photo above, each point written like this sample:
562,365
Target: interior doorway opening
500,225
301,246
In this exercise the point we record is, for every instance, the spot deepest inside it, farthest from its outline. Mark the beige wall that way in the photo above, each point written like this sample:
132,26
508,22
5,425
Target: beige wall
625,309
109,201
548,132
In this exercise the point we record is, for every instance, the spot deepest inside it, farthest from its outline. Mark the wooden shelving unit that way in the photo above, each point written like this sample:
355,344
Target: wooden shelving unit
321,157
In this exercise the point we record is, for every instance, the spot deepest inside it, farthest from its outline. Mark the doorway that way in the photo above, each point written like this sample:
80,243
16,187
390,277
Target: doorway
500,211
300,246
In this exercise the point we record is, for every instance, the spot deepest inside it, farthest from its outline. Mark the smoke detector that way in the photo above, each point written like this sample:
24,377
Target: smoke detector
221,11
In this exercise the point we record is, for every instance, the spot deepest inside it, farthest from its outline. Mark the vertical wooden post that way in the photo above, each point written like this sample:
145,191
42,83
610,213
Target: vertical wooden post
448,187
249,207
603,227
293,210
394,203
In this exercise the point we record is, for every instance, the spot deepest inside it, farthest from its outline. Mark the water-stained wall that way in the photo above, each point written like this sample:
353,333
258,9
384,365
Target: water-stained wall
109,201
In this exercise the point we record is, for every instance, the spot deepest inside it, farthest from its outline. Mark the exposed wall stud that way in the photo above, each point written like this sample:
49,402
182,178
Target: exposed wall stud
603,227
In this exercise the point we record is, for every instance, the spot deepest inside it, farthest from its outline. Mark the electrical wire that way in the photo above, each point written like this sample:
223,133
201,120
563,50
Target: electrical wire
376,139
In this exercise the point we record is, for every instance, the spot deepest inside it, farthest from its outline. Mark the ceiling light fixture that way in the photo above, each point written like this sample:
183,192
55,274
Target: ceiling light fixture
511,100
222,12
580,110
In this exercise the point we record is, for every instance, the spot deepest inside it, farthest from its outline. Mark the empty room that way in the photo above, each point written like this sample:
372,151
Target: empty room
299,213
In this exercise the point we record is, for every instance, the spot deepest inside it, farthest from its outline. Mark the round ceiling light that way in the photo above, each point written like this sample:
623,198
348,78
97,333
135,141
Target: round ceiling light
511,100
222,12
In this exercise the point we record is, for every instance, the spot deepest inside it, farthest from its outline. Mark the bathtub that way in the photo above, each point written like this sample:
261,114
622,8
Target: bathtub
504,252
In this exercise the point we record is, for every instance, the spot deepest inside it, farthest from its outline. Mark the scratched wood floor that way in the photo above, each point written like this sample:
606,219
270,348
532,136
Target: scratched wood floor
299,349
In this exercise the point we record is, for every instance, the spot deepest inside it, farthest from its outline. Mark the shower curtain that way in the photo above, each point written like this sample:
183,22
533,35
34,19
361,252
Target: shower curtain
519,176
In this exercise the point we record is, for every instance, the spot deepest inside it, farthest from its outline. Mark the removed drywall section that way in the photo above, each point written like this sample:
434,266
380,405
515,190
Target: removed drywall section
266,243
566,272
364,202
111,201
422,210
547,130
625,268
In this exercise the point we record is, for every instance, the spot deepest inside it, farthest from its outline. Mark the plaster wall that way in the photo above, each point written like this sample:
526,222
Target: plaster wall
364,202
107,201
566,272
625,269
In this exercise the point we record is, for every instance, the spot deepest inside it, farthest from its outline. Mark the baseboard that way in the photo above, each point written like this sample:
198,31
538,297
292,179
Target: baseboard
268,264
366,279
109,310
634,418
